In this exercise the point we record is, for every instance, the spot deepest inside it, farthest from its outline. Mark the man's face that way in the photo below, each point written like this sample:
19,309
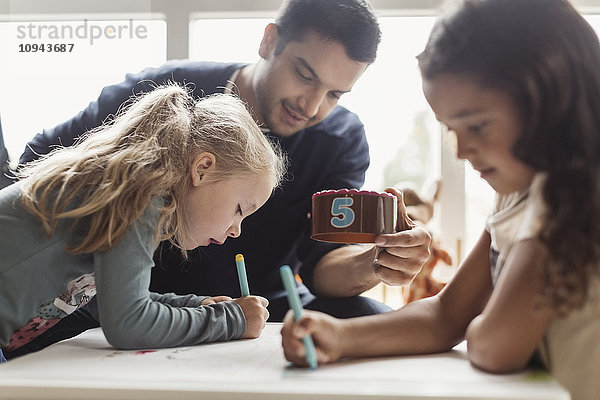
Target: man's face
300,86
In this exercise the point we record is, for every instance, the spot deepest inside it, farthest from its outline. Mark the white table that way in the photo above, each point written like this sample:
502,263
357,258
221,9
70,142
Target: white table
86,367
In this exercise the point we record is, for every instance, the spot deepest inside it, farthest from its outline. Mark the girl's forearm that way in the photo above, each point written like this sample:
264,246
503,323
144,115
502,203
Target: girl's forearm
429,325
416,328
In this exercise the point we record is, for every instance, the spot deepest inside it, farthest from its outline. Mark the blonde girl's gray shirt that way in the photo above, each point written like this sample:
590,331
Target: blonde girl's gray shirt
40,283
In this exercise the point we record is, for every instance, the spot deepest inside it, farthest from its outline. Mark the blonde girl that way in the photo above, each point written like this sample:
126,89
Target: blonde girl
81,226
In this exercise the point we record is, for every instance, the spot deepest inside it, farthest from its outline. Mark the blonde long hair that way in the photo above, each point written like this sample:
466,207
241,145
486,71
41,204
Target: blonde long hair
111,174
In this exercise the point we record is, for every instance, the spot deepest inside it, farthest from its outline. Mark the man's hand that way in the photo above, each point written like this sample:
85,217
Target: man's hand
395,259
401,255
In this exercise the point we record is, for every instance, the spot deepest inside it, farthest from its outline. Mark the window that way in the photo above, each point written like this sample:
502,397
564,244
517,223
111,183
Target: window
42,88
404,137
387,97
53,69
238,38
402,132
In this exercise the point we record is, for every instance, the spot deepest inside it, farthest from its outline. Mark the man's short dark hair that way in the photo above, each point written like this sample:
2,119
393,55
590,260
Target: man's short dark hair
350,22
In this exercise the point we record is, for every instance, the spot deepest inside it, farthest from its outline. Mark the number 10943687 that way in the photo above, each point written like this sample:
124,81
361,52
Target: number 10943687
46,47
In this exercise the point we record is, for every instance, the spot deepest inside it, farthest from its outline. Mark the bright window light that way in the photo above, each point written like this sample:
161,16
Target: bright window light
53,69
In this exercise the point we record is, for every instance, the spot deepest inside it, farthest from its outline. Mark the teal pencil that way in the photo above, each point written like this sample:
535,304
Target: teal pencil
241,270
287,278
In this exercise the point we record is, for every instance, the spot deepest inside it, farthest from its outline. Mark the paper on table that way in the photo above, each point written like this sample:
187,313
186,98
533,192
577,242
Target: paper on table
257,366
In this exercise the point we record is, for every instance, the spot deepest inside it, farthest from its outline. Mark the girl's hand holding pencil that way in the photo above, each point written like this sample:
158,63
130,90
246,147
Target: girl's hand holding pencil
328,337
256,314
254,307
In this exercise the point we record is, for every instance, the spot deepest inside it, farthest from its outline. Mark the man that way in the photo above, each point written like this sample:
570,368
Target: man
313,54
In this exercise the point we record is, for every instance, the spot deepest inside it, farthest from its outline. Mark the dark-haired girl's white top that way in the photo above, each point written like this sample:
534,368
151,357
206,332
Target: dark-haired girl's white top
570,349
